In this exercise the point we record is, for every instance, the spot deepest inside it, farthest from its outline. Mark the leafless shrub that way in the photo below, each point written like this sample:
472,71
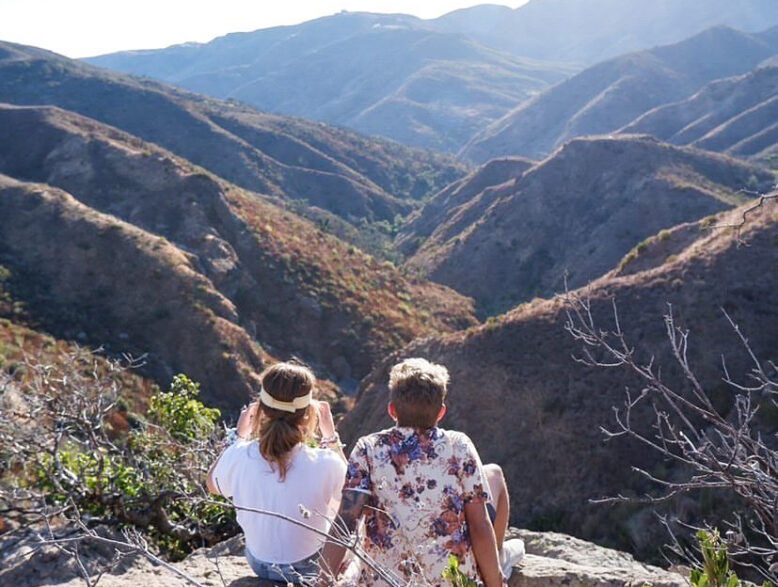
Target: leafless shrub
717,451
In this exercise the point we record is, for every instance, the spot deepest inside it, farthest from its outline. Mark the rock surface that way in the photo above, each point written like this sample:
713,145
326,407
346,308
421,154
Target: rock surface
558,559
552,560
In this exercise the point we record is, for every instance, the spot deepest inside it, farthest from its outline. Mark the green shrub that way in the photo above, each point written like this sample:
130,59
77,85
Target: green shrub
84,449
454,576
180,413
715,571
709,221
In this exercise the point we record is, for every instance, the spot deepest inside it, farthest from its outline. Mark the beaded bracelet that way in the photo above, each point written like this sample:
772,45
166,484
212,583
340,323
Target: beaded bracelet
331,441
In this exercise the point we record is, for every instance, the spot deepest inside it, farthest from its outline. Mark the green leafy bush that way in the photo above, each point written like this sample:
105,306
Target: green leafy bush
80,450
715,571
456,577
182,415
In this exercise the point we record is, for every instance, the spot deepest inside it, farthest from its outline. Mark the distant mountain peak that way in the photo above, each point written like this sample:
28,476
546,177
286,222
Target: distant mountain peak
610,95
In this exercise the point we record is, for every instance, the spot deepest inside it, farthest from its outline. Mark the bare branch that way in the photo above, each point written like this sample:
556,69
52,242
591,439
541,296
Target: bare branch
718,452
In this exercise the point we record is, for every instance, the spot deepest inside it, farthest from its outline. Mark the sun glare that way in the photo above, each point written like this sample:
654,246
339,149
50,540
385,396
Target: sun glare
84,28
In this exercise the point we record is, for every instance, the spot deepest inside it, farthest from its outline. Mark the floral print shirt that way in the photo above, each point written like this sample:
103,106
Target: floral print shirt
419,482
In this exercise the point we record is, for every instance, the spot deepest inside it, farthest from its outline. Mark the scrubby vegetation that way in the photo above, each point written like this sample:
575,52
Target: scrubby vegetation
391,308
75,452
714,569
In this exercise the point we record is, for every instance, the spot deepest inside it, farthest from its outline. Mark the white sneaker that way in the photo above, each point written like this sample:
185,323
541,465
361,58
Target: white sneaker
511,554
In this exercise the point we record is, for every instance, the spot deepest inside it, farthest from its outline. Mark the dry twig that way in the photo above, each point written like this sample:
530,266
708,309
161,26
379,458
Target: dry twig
719,451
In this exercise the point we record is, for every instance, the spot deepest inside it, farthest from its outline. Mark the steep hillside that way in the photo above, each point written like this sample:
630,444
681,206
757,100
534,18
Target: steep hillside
470,194
283,281
22,340
527,405
388,75
574,214
609,95
737,115
340,171
588,31
130,289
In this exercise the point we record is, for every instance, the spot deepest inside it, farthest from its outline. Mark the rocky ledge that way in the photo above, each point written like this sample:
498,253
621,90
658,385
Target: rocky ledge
557,560
552,560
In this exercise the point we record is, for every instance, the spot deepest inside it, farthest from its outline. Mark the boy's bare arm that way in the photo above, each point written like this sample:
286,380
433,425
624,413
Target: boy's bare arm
351,508
484,544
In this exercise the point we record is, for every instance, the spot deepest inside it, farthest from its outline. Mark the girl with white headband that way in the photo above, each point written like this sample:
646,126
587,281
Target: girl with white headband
271,467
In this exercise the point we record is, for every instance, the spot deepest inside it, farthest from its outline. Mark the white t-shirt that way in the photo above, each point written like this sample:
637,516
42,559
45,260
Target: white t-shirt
314,481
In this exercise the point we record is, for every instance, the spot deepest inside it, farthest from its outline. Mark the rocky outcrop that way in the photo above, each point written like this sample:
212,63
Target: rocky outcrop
559,560
552,560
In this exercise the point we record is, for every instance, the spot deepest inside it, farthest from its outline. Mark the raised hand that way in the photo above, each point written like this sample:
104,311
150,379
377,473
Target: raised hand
248,415
326,423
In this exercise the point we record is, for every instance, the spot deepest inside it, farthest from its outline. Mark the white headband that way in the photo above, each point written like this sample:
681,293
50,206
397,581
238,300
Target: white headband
296,404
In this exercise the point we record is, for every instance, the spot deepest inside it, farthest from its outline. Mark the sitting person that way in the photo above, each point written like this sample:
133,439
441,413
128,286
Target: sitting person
271,468
424,495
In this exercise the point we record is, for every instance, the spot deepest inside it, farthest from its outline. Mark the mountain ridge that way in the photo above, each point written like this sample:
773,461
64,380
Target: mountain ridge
570,217
261,152
610,95
268,266
433,83
394,75
728,115
596,30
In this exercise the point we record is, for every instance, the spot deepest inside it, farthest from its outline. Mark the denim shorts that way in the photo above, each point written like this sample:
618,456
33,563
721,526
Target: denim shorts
301,572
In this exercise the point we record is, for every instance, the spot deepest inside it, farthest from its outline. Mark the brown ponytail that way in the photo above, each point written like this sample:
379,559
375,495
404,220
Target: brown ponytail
279,431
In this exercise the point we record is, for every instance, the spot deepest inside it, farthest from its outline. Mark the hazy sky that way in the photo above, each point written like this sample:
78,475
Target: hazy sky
81,28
